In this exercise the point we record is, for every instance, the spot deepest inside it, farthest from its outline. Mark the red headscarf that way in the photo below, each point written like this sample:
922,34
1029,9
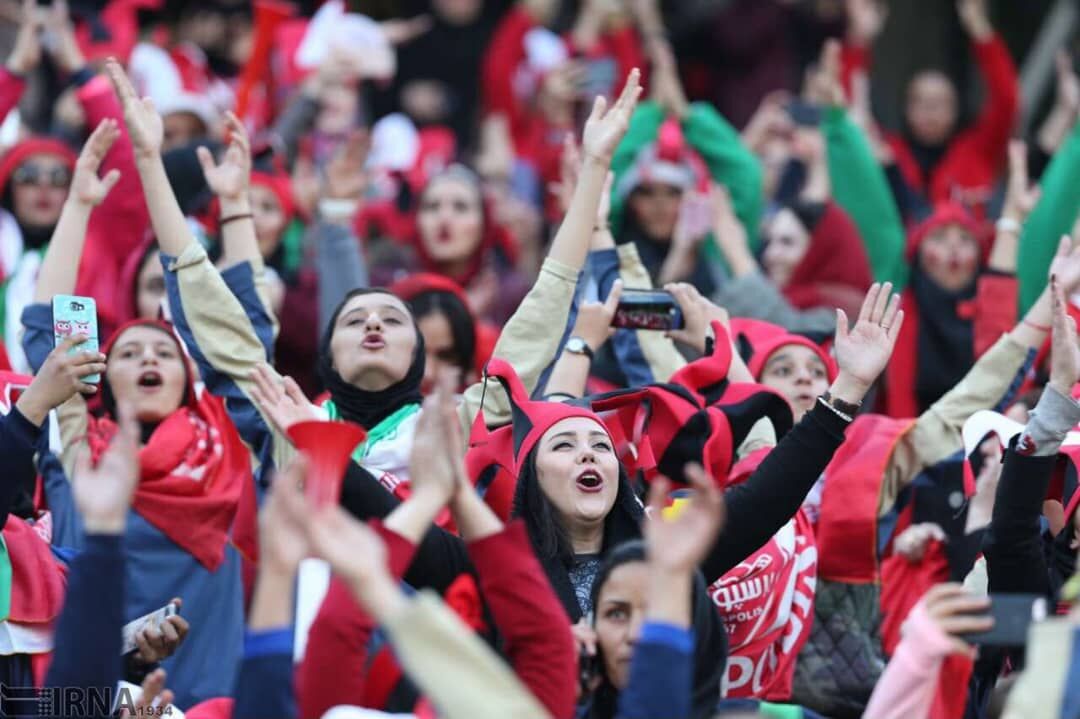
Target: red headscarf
495,237
34,146
834,272
945,214
193,469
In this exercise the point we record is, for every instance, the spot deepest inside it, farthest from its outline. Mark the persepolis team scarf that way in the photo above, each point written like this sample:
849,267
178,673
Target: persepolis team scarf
193,469
767,605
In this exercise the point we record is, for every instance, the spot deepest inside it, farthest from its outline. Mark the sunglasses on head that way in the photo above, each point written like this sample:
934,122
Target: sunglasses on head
31,174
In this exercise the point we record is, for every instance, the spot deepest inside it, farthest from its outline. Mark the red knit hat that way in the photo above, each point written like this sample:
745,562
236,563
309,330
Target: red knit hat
281,185
945,214
765,349
34,146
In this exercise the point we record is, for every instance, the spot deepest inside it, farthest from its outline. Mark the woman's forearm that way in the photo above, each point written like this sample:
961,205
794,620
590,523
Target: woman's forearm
60,268
170,227
571,243
238,240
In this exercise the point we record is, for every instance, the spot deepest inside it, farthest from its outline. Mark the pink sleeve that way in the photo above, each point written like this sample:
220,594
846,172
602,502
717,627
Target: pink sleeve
118,226
906,689
11,90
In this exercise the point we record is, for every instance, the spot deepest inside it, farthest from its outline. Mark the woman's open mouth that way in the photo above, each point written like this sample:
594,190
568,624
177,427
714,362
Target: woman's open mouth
150,381
590,481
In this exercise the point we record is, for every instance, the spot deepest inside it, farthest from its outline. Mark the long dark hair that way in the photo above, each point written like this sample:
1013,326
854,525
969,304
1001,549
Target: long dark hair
546,529
462,326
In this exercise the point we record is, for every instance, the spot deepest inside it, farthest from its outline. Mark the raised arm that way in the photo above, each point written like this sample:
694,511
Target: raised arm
230,180
227,327
998,115
24,57
527,341
60,268
1013,547
774,492
450,665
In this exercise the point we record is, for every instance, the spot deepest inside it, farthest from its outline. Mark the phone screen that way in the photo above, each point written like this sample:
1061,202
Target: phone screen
75,315
648,310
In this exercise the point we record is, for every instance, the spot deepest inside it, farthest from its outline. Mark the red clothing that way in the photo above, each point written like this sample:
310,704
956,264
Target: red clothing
993,312
536,633
834,272
537,639
976,155
509,91
333,669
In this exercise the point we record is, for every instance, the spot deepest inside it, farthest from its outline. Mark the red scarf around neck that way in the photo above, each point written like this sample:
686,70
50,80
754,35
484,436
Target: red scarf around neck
192,475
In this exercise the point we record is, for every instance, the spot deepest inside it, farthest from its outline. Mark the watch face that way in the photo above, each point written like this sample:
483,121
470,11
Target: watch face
575,345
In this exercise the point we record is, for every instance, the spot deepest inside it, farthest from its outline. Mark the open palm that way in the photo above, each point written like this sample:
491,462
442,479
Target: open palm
1064,352
229,178
606,126
143,122
103,492
863,350
86,186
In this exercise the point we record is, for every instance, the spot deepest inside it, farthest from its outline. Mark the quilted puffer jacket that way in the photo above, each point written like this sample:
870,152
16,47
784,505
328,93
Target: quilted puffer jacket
843,659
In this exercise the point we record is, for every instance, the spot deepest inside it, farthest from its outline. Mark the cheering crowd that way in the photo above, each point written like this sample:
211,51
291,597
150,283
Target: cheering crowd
370,415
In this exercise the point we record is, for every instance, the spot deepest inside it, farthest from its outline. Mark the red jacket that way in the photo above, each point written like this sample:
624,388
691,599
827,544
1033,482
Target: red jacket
536,635
976,155
117,227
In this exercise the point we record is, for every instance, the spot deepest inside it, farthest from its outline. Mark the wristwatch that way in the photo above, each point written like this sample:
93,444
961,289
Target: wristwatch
577,346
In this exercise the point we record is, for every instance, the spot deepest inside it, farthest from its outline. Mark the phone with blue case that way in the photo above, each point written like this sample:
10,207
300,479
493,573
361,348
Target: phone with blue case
75,315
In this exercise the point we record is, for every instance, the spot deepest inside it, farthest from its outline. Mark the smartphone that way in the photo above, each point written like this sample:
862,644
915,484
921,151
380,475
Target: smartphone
648,310
74,315
133,627
1013,615
804,114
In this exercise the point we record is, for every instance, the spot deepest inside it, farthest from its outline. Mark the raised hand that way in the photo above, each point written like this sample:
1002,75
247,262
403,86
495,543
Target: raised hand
103,492
865,19
606,126
593,322
975,19
230,178
346,178
432,461
281,401
1064,353
680,544
26,54
143,122
1021,196
863,351
86,187
59,379
65,49
823,85
355,552
698,315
